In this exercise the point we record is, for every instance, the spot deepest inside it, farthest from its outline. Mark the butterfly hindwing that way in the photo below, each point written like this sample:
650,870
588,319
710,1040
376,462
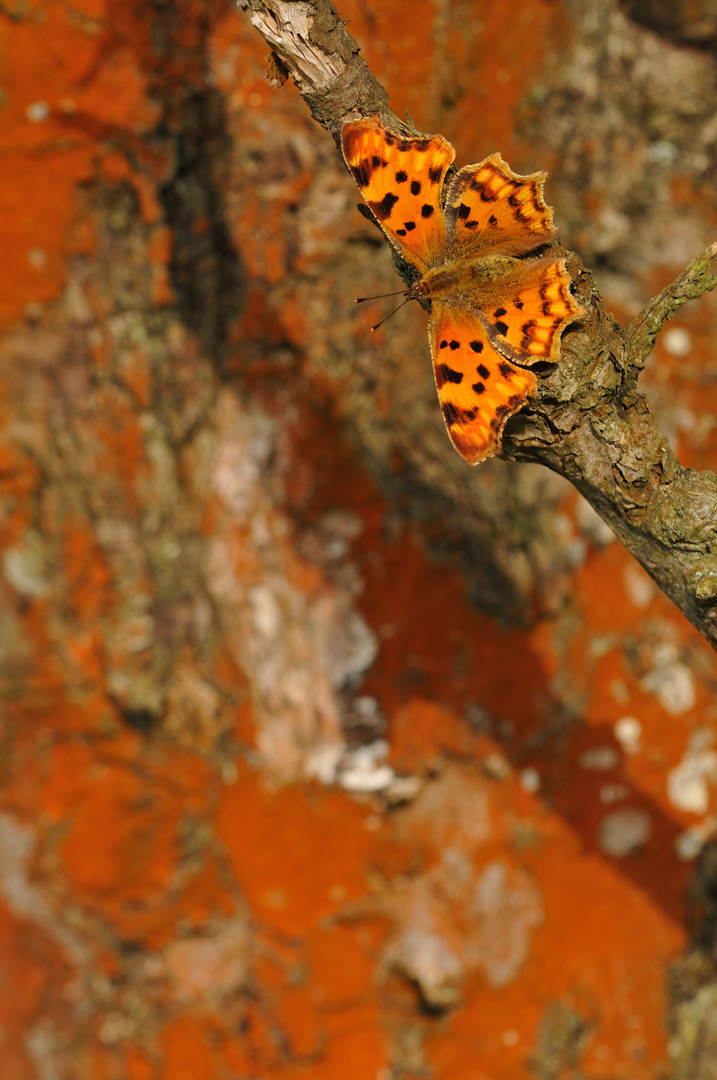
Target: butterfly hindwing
533,318
488,205
478,387
401,180
531,311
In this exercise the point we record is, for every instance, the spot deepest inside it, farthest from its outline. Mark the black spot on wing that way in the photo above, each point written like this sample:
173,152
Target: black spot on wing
378,162
472,224
463,211
502,328
361,173
453,345
383,209
478,388
451,413
483,371
499,312
415,187
505,410
477,346
505,369
409,226
518,208
401,177
492,220
400,232
519,304
434,175
454,415
446,374
427,210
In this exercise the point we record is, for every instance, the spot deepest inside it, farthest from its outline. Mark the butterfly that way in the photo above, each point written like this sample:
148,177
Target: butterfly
497,304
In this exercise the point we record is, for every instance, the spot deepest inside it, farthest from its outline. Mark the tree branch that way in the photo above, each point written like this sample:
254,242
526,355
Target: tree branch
695,280
310,42
589,424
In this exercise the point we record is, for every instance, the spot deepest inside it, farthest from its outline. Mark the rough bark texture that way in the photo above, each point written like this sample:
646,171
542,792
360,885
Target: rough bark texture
322,754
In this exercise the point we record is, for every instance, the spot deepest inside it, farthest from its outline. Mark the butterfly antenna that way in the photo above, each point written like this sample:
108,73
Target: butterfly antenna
381,296
407,301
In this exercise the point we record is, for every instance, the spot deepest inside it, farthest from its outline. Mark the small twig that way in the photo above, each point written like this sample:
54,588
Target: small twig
695,279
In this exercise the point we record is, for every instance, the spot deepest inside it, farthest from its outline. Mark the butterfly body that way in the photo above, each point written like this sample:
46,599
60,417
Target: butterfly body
481,279
497,304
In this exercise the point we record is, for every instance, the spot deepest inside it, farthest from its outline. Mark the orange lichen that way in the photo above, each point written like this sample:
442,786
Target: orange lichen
307,850
354,1036
186,1053
335,986
423,731
138,1065
134,838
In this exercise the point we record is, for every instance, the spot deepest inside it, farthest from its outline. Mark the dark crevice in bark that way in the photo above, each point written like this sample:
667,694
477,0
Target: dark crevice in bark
143,721
205,267
471,546
685,21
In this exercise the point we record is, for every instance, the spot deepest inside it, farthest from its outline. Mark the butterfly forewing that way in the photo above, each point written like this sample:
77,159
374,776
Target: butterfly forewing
477,387
490,206
401,180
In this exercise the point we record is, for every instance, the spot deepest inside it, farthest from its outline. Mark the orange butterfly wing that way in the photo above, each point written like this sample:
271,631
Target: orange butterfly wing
490,206
477,387
401,180
531,316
